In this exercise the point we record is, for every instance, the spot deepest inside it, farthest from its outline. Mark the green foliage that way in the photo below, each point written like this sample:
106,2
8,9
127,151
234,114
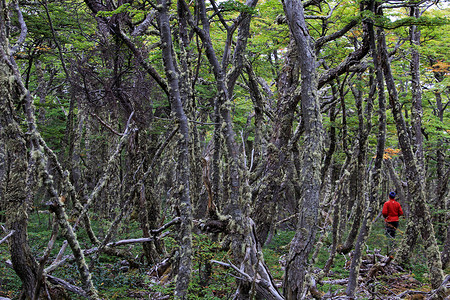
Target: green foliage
233,5
53,130
211,280
121,9
272,259
281,240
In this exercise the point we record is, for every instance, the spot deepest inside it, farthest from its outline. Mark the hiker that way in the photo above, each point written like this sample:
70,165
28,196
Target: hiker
392,210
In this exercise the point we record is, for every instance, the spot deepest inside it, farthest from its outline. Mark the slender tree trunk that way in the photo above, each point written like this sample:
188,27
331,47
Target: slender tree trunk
303,241
277,154
416,89
184,202
373,205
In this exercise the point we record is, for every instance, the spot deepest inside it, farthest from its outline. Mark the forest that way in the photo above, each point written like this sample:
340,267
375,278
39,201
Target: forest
231,149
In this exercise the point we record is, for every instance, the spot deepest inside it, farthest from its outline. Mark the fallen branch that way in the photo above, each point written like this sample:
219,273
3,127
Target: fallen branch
108,246
336,281
406,293
260,283
56,281
441,291
70,287
6,237
378,267
214,226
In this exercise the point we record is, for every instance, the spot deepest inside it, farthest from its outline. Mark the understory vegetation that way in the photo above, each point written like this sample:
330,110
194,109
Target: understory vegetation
115,279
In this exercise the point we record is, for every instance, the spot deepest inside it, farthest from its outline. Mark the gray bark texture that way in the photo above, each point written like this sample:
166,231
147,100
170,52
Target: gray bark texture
184,202
416,89
303,242
15,197
373,202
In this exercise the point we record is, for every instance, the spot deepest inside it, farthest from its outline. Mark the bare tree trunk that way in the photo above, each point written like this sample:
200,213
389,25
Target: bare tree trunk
416,89
303,241
184,202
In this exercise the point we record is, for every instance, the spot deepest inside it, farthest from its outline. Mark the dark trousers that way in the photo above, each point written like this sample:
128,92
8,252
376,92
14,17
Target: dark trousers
391,228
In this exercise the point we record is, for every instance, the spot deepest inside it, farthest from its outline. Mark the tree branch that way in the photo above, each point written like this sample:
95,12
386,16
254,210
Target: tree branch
352,59
23,30
325,39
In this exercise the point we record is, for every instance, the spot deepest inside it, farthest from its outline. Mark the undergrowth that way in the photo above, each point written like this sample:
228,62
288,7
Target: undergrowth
209,280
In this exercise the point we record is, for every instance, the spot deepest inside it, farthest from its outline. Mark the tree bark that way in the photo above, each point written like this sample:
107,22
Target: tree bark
184,202
270,193
416,89
303,241
373,201
16,176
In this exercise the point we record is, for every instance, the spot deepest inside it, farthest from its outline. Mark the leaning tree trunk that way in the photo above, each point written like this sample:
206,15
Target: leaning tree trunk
303,241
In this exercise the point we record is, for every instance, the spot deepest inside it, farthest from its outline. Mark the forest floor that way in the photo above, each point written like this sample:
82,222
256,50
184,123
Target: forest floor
118,278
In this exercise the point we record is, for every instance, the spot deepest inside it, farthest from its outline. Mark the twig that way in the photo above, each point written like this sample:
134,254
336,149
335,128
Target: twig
165,226
106,125
230,265
263,284
286,220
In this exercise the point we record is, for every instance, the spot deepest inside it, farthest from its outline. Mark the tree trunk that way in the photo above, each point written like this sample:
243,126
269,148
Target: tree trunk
416,89
270,192
16,176
184,201
373,201
303,241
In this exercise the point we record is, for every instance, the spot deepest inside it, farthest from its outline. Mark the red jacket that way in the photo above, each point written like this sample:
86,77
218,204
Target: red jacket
392,210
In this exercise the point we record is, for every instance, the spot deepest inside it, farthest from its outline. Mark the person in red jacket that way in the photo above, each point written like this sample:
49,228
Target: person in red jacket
392,210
